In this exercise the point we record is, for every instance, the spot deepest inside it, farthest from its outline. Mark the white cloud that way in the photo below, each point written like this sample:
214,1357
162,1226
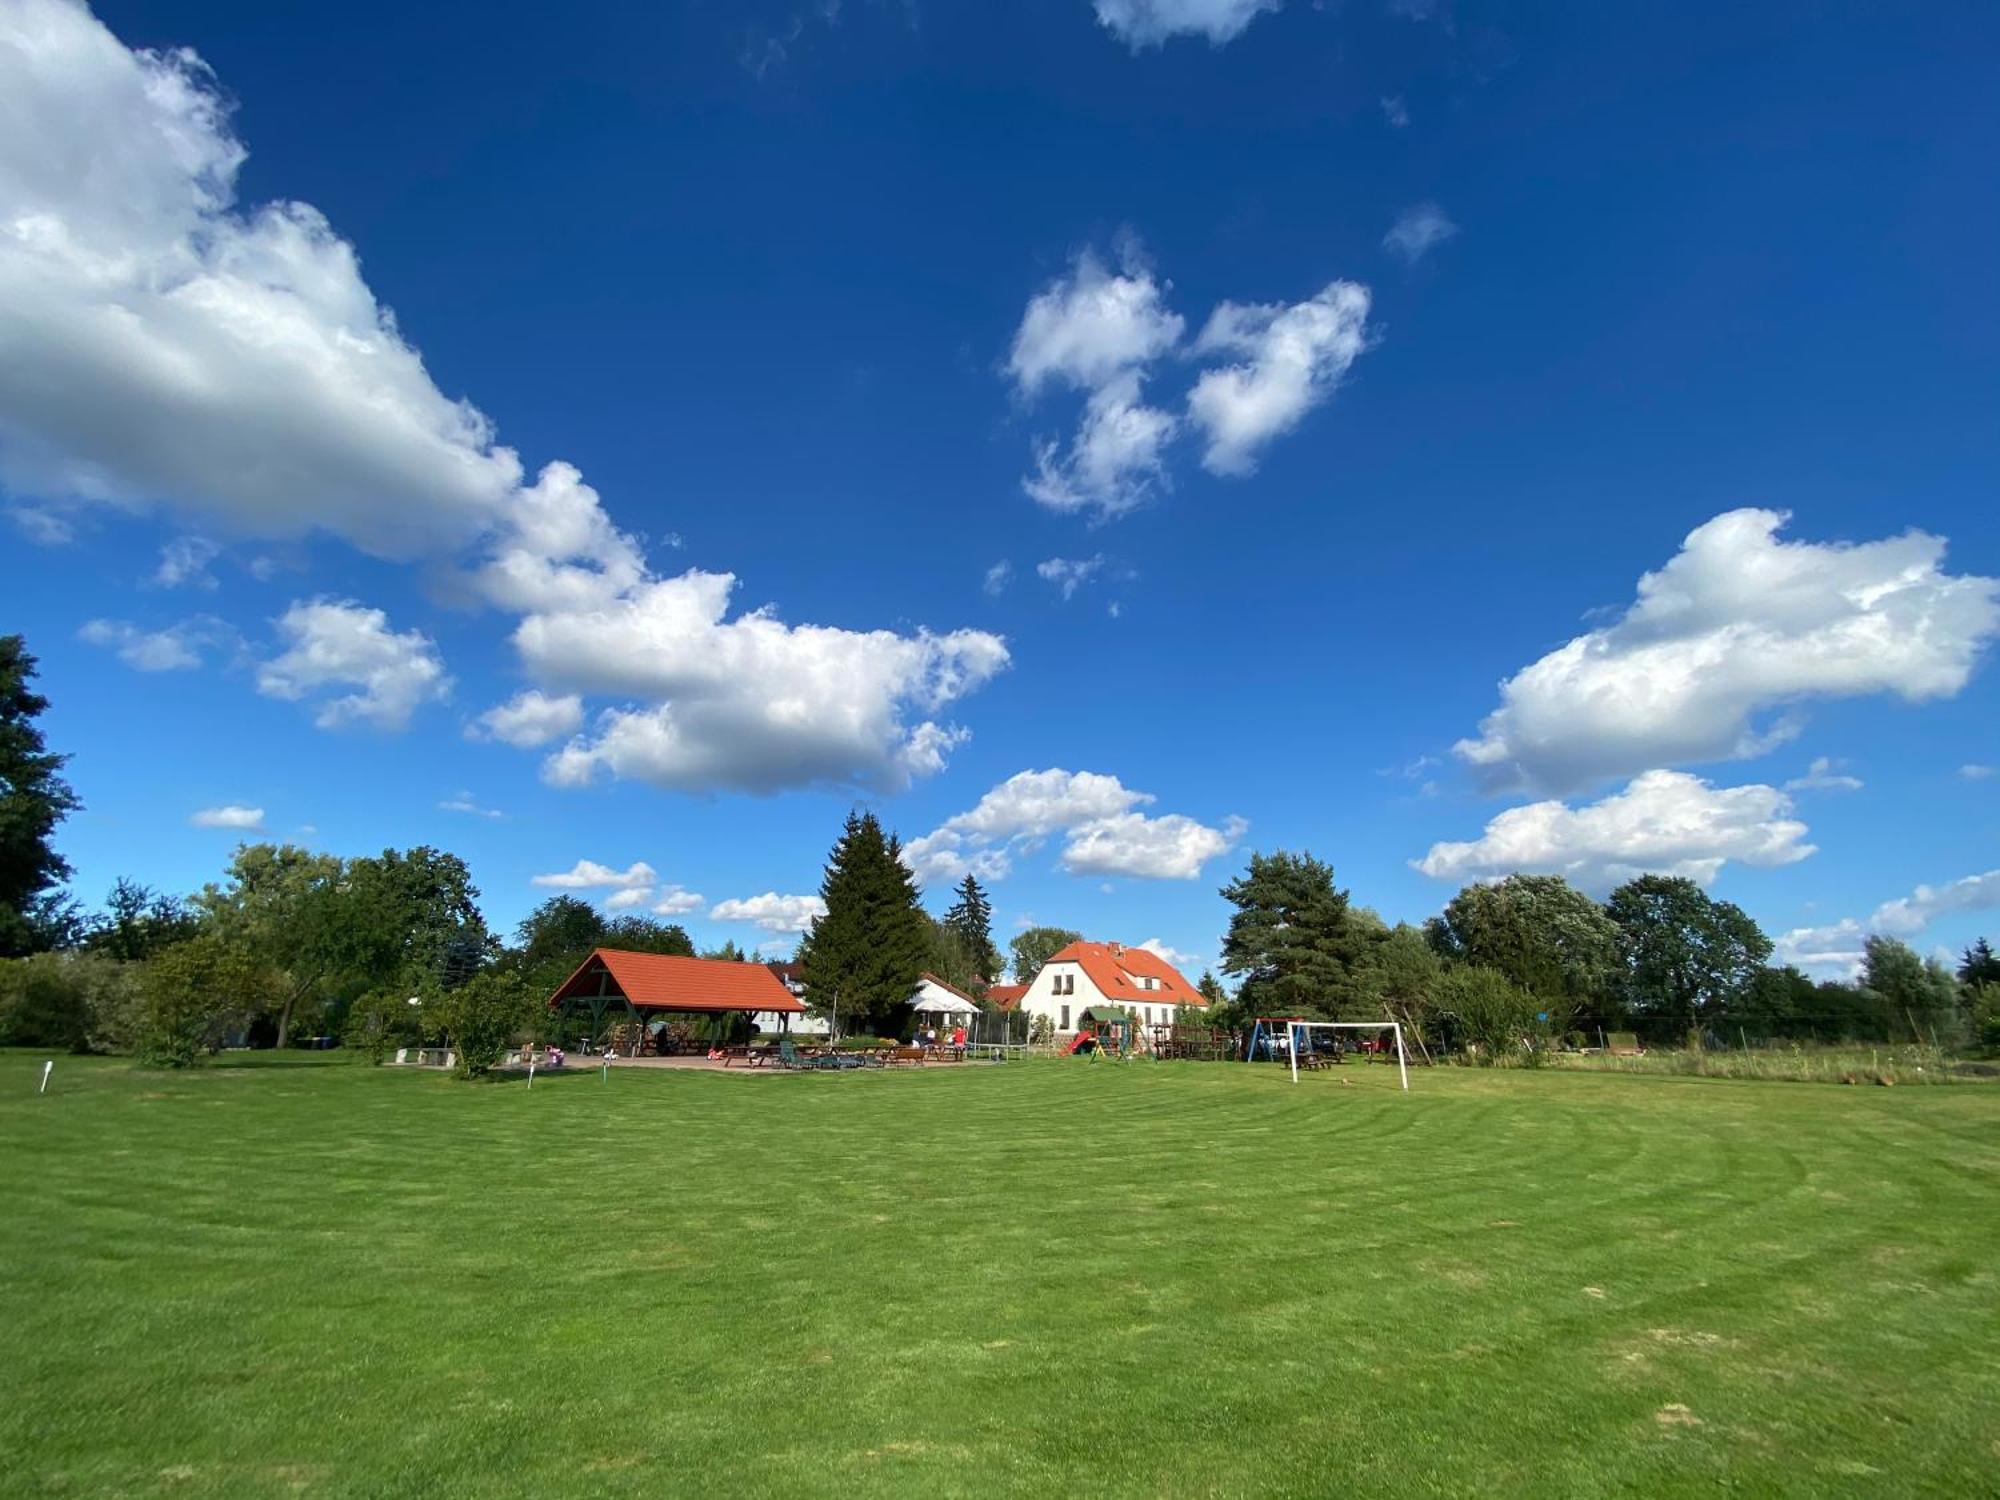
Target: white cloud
1975,772
337,643
168,346
185,559
234,815
1096,331
530,718
751,704
178,648
1664,822
465,802
1173,956
770,911
1395,111
1417,231
41,526
1149,23
997,577
1104,833
1823,775
163,344
678,901
1841,945
1173,847
1735,624
1294,359
1069,573
588,874
629,898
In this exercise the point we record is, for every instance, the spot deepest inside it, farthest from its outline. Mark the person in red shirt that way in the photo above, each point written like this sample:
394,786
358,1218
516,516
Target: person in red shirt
958,1040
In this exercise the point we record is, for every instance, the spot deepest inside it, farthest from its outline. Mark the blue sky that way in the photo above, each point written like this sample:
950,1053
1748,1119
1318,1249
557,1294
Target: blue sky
1152,430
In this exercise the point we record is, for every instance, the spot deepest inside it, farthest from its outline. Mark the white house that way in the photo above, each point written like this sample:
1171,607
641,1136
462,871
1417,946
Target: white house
792,975
1136,980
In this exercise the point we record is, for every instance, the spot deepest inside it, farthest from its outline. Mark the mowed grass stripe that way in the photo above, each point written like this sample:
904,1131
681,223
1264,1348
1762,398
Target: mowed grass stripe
1173,1279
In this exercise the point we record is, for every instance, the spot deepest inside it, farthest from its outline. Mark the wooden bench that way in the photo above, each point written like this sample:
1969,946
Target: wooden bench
914,1056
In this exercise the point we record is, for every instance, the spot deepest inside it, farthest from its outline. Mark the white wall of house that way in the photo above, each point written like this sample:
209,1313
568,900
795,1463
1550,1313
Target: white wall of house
1062,992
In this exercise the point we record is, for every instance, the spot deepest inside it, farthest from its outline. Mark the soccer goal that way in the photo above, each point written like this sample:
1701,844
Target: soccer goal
1297,1031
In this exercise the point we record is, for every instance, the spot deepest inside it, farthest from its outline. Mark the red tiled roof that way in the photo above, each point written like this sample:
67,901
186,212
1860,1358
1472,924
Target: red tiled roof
790,970
1006,996
1113,968
669,982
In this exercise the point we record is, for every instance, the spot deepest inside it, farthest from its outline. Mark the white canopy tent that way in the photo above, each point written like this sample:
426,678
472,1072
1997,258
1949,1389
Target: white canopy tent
945,1005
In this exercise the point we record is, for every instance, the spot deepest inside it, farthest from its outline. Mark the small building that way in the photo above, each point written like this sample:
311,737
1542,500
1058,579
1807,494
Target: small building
792,975
643,987
934,997
1135,980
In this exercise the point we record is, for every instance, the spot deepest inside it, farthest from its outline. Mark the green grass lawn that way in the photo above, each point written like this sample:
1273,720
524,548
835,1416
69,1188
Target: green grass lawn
1047,1278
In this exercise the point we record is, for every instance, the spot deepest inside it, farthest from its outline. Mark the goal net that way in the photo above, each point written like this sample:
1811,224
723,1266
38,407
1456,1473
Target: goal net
1298,1037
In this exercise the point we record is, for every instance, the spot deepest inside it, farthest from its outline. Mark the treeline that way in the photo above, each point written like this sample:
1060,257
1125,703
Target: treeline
1530,961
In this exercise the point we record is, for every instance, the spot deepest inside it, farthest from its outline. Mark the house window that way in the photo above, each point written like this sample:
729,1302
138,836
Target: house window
1065,1019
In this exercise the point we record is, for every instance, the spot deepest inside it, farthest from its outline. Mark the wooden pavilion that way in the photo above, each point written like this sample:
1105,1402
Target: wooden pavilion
646,985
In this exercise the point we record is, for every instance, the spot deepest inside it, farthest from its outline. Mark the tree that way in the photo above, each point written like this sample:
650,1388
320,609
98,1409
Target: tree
1210,988
33,799
1035,946
1914,995
411,919
951,959
971,919
283,904
1775,1002
1547,937
862,957
194,993
1684,956
137,922
1402,972
1294,938
728,953
1980,966
638,934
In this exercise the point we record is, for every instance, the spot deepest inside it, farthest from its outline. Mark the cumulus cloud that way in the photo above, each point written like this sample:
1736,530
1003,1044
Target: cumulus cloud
1069,574
588,875
233,815
1823,775
466,803
1149,23
170,346
1293,359
1101,332
337,643
1103,832
1664,822
1737,624
1096,331
750,703
1173,956
628,899
530,718
1418,231
678,901
177,648
770,911
1842,945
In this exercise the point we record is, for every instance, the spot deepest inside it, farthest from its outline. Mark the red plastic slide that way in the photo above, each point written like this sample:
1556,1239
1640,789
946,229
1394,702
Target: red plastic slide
1079,1039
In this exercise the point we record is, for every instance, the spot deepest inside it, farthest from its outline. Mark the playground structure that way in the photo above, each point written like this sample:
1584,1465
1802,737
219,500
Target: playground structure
1289,1039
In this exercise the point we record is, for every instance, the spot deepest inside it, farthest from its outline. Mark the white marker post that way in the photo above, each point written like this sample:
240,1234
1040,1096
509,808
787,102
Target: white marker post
47,1068
531,1074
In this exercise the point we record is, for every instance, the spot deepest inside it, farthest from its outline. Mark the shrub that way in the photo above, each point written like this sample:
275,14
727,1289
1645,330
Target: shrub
77,1002
1501,1022
382,1020
191,994
484,1017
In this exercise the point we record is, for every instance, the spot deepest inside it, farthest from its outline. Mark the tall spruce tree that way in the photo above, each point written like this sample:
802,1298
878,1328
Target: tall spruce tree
1301,947
33,799
971,919
862,958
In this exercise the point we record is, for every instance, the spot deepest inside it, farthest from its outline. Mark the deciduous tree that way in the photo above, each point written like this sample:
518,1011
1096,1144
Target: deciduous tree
1035,946
1684,956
